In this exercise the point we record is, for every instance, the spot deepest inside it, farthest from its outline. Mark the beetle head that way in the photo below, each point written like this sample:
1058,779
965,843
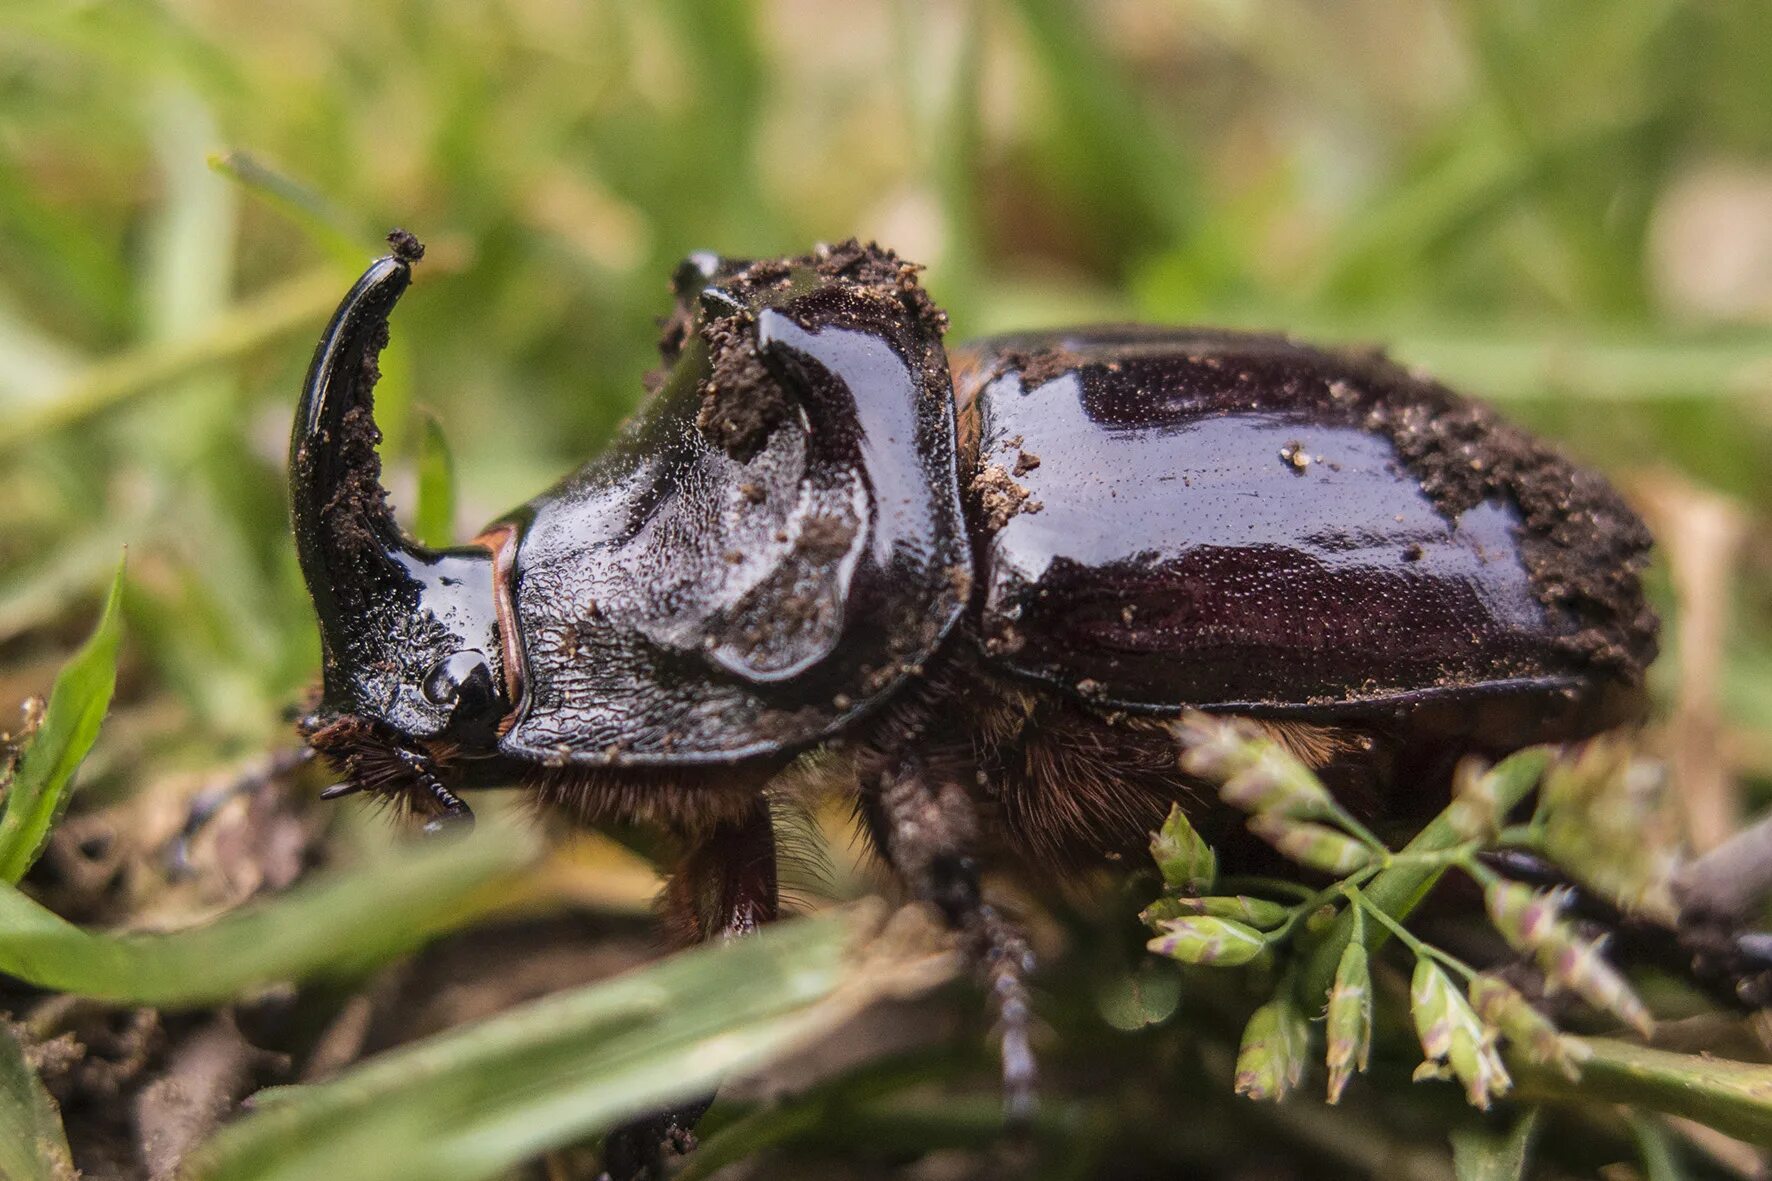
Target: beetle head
410,634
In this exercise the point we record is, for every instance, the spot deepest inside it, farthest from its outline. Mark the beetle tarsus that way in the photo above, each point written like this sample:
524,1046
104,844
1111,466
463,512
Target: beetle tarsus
1007,962
453,815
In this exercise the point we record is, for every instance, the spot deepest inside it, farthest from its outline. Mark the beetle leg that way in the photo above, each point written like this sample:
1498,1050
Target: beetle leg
724,887
926,826
453,813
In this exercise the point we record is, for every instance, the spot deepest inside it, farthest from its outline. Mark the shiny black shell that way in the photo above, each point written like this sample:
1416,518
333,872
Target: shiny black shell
773,544
1173,518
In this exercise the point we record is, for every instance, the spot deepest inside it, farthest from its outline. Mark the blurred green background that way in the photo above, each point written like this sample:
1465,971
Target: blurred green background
1566,206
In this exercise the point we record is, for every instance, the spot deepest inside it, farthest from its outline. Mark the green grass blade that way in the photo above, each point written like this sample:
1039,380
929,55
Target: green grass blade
250,324
333,925
45,773
345,239
435,523
470,1103
33,1146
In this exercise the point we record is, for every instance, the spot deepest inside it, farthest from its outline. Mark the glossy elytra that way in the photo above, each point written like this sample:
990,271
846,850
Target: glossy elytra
980,577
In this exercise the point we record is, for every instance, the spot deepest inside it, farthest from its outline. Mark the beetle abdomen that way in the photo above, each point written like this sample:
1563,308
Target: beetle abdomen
1170,518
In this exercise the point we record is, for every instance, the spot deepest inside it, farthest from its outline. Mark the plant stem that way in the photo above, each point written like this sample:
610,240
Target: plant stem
1728,1096
1422,950
1400,887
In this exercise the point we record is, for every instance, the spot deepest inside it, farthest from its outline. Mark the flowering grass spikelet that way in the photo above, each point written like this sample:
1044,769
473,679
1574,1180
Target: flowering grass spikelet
1453,1040
1255,912
1253,772
1580,966
1316,846
1475,811
1610,820
1186,861
1348,1029
1525,917
1501,1005
1205,940
1270,1060
1530,921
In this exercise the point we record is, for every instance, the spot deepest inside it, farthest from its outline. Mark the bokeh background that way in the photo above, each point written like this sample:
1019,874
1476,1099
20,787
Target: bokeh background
1566,207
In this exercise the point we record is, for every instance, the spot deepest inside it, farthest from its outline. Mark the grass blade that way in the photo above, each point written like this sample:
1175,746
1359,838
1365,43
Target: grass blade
33,1146
470,1103
1480,1155
341,236
334,925
435,524
45,773
250,324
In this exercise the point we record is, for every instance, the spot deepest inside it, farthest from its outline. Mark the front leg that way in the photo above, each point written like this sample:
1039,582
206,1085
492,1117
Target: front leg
925,823
724,887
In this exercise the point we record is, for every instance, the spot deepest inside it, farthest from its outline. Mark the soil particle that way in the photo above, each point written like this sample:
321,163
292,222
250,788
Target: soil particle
741,401
872,267
1025,462
825,538
407,248
359,503
999,497
960,579
1040,366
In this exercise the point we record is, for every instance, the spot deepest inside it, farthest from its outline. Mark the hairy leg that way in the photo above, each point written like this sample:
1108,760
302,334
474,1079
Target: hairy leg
925,823
724,887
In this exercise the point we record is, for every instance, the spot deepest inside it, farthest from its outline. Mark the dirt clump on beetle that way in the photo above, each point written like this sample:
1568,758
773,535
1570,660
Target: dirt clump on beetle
873,268
359,499
999,497
742,400
1040,366
1582,546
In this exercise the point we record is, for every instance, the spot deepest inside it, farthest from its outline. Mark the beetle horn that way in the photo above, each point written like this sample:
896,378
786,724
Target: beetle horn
345,532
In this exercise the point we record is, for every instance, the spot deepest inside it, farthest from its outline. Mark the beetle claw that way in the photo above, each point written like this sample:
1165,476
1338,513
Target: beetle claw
459,818
455,816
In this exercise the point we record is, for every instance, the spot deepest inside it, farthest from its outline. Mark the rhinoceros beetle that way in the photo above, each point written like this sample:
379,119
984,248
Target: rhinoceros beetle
982,576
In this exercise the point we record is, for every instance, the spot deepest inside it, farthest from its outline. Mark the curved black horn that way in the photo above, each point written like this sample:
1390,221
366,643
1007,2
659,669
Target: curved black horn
350,546
391,612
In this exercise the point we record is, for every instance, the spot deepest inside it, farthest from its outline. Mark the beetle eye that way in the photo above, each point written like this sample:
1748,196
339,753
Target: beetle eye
458,677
